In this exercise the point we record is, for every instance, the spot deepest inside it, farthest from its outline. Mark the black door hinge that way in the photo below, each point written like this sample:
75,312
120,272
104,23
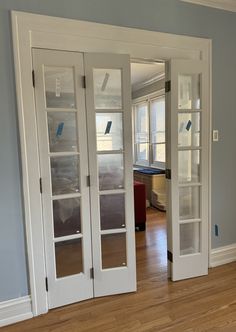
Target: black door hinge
167,86
168,174
40,185
33,78
169,256
92,273
88,181
46,284
84,82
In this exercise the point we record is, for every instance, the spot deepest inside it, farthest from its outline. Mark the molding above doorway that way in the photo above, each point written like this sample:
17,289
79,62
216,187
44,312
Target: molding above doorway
229,5
38,31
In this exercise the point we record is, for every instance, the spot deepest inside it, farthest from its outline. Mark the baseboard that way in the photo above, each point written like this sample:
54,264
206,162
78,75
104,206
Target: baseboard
15,310
223,255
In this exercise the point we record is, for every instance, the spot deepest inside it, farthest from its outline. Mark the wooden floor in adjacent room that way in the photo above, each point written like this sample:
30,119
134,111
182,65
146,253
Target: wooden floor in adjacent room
200,304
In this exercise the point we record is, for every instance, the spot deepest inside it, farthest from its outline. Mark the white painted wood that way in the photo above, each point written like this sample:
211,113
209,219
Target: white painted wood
187,266
229,5
30,30
119,279
223,255
74,288
15,310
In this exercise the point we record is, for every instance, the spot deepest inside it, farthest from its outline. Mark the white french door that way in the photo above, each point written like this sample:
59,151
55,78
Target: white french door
108,102
187,167
86,172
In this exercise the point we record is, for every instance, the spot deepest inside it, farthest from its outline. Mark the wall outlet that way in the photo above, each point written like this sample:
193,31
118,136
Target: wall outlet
216,230
215,135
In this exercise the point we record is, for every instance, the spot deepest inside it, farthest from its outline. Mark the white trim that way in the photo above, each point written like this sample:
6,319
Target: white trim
30,30
229,5
15,310
223,255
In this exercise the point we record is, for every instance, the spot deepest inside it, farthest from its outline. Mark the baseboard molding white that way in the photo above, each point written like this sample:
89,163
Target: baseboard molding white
15,310
223,255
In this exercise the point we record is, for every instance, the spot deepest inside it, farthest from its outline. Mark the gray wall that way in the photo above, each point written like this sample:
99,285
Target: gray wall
158,15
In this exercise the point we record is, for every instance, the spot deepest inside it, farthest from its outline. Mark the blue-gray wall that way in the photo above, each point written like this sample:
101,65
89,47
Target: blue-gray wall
158,15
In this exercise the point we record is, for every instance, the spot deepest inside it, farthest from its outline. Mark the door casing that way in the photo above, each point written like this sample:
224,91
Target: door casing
32,30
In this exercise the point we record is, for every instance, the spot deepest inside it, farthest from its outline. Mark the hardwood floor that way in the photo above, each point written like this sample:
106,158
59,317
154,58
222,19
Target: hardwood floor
200,304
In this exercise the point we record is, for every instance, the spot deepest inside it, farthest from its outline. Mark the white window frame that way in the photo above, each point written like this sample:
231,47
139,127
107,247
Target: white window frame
32,30
138,101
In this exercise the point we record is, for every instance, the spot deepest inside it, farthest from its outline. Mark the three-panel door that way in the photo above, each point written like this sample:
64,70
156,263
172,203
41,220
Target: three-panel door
86,173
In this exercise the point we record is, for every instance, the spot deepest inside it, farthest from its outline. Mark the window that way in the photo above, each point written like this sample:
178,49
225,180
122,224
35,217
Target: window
149,131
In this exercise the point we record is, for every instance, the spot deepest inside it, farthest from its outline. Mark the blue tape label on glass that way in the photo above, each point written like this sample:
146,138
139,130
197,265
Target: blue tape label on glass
189,124
108,127
60,129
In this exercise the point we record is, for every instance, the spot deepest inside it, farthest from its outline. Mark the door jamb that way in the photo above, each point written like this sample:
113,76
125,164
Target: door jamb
32,30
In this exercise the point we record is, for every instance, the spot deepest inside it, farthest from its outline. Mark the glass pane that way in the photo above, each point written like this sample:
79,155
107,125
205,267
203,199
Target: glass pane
159,152
113,250
65,175
141,123
69,258
189,166
112,211
189,203
189,91
66,216
189,238
142,151
158,120
109,131
107,88
62,131
59,87
189,129
111,171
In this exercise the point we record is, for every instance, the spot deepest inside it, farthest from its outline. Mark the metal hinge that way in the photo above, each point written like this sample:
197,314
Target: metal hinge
92,273
88,181
46,284
167,86
168,174
84,82
40,185
169,256
33,78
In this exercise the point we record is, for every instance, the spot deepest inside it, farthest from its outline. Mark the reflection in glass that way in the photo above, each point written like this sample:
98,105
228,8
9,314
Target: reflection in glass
189,129
112,211
69,258
62,131
189,166
189,203
109,131
65,175
107,88
111,171
189,238
66,217
113,250
189,97
59,87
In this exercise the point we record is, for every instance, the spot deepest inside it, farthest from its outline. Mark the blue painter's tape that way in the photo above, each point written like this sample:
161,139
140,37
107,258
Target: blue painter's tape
60,129
189,124
108,127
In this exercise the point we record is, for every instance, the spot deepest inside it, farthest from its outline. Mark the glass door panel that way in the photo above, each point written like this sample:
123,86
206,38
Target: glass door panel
111,171
113,251
60,104
112,211
186,109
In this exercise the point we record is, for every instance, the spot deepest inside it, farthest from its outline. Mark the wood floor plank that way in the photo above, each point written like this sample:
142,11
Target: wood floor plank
202,304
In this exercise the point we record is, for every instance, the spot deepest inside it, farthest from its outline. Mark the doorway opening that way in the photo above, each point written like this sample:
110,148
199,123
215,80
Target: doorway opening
149,157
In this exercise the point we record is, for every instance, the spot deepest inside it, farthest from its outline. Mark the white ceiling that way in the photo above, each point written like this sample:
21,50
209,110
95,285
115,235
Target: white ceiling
143,73
229,5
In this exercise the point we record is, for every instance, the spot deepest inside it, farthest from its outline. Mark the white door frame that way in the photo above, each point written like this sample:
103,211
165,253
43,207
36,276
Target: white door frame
31,30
